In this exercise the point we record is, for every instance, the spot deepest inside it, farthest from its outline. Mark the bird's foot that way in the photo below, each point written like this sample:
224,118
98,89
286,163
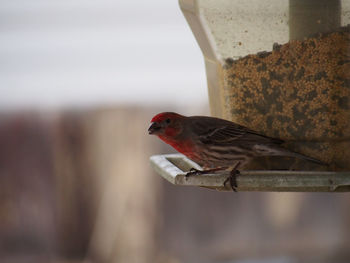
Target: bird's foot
233,177
193,171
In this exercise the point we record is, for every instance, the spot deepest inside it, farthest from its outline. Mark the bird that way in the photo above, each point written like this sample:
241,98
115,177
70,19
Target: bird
217,144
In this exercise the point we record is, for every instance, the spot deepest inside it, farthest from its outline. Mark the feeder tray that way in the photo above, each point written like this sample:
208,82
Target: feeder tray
173,167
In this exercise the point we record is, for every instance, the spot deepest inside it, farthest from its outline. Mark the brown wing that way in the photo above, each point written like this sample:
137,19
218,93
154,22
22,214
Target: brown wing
222,132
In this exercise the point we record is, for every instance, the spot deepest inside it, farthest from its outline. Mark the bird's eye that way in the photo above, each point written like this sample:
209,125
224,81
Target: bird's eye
167,121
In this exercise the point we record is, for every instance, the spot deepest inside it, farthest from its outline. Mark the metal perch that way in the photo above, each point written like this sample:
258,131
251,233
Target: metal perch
173,168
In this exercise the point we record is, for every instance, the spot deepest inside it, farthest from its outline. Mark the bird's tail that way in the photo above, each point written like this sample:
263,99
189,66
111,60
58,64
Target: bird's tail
279,151
307,158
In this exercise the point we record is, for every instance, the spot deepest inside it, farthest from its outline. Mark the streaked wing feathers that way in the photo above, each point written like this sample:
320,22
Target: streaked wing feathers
222,132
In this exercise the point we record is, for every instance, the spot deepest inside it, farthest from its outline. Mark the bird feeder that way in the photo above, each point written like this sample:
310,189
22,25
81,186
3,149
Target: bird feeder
281,68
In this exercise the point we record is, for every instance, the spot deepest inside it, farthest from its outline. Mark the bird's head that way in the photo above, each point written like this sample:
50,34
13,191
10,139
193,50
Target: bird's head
166,125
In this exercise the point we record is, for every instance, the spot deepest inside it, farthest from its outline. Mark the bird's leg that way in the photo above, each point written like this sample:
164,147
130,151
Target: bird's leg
232,178
194,171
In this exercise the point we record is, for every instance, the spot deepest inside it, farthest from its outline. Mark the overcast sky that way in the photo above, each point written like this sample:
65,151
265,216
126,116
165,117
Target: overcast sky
64,53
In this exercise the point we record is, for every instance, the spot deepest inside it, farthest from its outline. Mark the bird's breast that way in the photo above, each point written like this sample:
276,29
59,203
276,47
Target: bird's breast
186,147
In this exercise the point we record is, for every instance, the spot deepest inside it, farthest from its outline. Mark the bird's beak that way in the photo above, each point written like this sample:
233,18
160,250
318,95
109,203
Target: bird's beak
154,127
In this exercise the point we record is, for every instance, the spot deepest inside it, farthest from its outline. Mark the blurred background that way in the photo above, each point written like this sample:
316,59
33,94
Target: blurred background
80,81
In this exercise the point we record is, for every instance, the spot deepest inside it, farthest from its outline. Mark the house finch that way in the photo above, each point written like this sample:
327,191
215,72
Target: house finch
217,144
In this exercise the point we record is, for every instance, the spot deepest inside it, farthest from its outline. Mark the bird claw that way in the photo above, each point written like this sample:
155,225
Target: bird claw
193,171
232,179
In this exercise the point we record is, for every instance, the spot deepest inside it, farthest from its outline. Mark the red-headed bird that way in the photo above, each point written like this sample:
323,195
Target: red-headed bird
217,144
